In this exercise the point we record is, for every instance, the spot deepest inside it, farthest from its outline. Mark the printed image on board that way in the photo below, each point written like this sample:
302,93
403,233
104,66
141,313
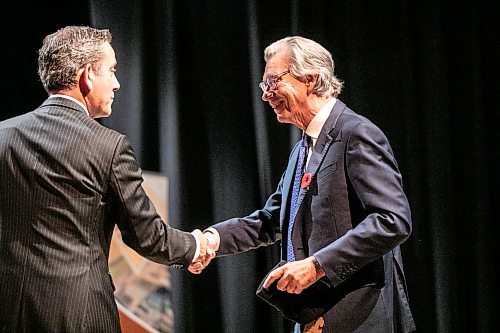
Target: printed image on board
142,286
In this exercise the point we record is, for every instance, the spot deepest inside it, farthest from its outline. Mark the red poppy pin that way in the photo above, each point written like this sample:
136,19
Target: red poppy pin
306,180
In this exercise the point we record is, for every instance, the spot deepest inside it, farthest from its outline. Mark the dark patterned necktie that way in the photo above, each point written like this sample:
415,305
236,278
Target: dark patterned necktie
290,256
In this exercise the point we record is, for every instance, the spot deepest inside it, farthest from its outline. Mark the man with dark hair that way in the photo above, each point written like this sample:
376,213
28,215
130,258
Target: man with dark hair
65,182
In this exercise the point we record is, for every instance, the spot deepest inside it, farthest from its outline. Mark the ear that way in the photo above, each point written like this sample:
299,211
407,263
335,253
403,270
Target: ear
311,82
86,75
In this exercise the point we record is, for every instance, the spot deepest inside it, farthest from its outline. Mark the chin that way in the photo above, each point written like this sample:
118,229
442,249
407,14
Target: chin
282,119
103,114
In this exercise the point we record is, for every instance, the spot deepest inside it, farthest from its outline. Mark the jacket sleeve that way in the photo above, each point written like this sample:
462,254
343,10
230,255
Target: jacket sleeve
261,228
141,227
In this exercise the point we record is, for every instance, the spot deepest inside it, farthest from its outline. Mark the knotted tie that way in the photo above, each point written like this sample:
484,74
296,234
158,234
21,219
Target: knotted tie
290,256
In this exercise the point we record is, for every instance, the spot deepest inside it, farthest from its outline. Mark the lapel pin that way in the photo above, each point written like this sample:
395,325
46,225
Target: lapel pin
306,180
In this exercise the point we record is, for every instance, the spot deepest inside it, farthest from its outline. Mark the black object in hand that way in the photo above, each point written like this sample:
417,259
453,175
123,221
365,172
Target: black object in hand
303,308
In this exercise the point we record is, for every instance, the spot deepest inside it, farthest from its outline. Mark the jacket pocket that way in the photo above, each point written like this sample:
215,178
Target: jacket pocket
327,170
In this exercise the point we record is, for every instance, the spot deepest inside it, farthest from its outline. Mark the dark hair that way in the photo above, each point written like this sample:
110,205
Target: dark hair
67,50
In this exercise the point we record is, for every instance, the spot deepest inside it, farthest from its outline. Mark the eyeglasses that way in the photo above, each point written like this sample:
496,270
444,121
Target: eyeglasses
271,81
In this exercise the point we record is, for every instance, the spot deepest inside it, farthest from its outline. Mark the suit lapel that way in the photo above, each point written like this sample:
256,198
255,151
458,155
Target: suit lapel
318,153
322,145
324,139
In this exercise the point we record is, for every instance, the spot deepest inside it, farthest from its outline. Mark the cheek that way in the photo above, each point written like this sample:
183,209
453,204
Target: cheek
292,101
289,92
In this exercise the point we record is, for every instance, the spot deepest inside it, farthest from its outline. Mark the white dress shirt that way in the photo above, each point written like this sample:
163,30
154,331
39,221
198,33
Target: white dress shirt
314,128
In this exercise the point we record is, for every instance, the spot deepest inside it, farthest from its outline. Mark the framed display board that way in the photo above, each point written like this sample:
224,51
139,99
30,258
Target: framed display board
142,286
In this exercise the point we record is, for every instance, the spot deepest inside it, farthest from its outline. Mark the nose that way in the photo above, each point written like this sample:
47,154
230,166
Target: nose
116,84
267,95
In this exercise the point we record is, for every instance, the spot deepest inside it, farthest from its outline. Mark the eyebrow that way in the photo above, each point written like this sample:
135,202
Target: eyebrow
275,75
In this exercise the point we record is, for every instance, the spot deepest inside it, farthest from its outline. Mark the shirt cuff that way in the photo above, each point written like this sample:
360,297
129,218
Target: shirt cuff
197,252
214,232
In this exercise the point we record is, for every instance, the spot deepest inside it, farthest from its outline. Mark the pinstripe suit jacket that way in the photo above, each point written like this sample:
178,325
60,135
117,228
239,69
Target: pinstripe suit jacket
352,218
65,182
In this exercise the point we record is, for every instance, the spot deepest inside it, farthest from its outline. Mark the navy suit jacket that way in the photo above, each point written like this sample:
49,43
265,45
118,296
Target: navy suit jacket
65,182
352,218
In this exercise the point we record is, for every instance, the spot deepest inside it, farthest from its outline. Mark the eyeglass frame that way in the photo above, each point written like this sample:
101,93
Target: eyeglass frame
272,81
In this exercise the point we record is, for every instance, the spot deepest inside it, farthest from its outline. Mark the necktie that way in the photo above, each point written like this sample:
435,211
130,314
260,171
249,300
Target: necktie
290,256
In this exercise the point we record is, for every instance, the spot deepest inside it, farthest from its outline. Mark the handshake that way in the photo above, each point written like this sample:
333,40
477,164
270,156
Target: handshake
209,244
292,277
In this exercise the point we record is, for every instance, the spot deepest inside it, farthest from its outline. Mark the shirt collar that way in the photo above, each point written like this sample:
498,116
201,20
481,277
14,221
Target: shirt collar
316,124
71,99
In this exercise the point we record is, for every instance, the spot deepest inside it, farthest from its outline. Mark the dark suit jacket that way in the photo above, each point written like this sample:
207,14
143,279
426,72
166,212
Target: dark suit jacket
352,218
65,181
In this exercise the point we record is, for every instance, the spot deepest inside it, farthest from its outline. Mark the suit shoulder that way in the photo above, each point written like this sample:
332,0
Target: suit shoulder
355,122
15,121
93,127
106,130
353,117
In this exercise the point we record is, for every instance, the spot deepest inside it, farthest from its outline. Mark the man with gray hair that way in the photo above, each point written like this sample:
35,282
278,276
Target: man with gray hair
65,182
339,209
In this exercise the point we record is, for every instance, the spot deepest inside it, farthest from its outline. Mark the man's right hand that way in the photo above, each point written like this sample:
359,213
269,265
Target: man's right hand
208,247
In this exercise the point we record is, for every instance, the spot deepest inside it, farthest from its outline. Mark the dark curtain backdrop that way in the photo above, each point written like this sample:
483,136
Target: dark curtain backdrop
426,72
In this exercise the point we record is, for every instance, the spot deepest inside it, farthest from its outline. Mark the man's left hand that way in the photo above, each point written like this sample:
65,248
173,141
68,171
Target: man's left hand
295,276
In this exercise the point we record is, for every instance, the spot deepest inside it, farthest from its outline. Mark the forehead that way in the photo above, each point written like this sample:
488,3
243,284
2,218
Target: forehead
109,53
276,64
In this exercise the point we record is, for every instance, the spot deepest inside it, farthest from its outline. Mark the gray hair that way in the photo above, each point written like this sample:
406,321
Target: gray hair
306,57
67,50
